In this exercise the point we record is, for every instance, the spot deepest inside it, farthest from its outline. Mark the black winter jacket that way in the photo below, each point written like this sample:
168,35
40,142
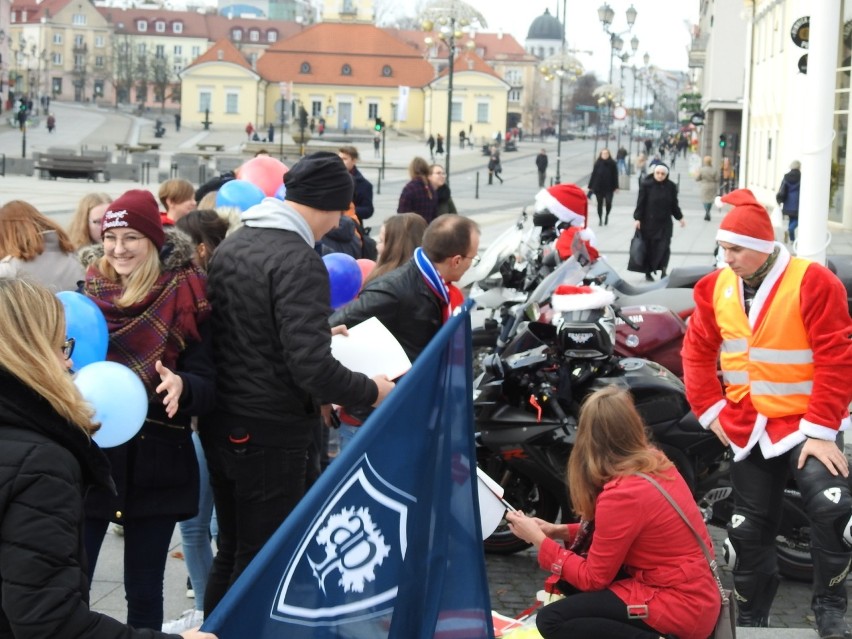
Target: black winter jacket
362,197
604,178
46,464
272,345
655,207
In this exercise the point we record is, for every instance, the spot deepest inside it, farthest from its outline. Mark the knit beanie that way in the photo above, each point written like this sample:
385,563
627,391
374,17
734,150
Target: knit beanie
568,202
320,181
136,209
747,224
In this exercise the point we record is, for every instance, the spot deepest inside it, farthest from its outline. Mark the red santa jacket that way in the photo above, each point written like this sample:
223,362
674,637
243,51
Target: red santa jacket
826,319
636,528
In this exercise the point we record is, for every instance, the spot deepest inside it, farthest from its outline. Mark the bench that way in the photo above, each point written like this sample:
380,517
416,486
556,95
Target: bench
273,148
71,166
129,148
151,146
215,146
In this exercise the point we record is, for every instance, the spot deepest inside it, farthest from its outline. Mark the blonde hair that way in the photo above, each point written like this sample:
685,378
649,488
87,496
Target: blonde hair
78,230
33,322
611,442
208,201
22,230
140,281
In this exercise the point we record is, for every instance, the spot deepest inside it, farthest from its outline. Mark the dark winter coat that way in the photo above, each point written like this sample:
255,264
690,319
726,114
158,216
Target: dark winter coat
343,239
270,294
656,206
788,194
541,162
156,472
604,178
445,200
46,465
363,195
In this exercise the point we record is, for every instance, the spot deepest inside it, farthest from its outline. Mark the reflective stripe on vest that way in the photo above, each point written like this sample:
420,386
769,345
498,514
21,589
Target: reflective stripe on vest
774,363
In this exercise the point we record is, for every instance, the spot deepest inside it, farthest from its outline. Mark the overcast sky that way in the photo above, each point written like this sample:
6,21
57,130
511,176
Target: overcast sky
660,27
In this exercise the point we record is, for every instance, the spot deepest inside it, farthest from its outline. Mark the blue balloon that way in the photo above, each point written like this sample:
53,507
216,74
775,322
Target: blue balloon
344,277
85,322
239,193
281,192
119,399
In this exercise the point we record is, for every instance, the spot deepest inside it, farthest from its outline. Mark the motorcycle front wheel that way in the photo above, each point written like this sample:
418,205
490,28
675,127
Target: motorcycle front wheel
522,493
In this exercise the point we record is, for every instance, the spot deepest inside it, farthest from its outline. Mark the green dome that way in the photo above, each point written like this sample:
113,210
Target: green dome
545,27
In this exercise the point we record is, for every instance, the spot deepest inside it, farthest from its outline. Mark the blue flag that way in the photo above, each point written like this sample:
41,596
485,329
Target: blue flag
387,543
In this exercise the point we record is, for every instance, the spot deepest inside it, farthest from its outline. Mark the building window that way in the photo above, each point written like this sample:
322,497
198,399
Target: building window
372,110
56,86
457,111
57,38
141,49
78,19
254,35
272,36
177,27
232,102
160,52
236,34
99,61
178,50
316,107
482,112
177,65
346,70
305,67
56,58
196,51
99,42
252,59
79,40
141,25
99,88
204,100
387,71
160,26
79,62
515,95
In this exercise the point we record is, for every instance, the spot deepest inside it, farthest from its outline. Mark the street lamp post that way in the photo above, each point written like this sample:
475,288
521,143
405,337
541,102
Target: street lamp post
616,43
454,18
564,66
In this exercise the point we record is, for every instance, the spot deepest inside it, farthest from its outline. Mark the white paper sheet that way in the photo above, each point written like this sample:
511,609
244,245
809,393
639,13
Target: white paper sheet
370,348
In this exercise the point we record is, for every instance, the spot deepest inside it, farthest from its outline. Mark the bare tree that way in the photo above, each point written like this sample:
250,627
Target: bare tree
122,64
584,92
161,75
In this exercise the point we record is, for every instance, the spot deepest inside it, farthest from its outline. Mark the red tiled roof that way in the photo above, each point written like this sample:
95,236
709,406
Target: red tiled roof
495,47
35,11
229,53
469,61
328,46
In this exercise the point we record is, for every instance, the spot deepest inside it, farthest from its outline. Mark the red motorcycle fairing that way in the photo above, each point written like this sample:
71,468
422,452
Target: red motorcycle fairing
659,337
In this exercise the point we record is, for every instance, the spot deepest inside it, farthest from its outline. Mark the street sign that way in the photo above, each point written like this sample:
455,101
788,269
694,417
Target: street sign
800,32
583,107
619,113
697,119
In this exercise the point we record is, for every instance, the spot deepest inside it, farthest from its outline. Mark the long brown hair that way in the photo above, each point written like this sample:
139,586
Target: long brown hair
403,234
22,230
418,169
611,441
33,324
78,230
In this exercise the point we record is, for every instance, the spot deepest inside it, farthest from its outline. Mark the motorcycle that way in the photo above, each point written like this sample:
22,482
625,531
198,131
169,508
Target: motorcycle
526,407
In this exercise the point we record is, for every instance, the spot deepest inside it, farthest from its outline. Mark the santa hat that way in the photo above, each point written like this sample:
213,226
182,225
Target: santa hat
580,298
568,202
747,224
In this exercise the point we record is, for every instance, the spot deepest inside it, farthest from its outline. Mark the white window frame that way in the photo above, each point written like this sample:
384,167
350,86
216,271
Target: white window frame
141,25
237,34
205,99
177,27
272,36
160,26
57,59
100,42
79,40
372,110
57,38
232,101
196,51
78,19
254,35
178,49
457,111
479,116
99,61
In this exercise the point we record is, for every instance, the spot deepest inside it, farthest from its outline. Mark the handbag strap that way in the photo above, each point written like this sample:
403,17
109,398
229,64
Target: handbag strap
704,549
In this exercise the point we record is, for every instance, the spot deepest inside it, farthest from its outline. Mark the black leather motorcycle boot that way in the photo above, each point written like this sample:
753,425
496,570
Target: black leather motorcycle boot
754,592
829,600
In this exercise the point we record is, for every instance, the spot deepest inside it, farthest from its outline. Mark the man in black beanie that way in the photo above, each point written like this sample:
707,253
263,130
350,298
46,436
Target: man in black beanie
274,369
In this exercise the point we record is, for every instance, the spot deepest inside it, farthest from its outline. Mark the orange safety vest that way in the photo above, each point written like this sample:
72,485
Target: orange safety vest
775,363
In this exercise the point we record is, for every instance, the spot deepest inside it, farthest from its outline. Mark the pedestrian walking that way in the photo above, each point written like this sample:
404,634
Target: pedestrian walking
312,125
495,168
461,140
377,145
604,183
788,197
345,126
621,160
709,178
51,123
656,206
782,326
431,144
249,130
438,180
541,165
177,122
270,133
439,145
641,166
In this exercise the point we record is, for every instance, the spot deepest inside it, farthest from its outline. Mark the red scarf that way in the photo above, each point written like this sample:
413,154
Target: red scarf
157,327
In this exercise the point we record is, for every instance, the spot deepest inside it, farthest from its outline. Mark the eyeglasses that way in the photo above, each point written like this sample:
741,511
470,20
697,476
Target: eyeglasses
474,259
68,347
128,241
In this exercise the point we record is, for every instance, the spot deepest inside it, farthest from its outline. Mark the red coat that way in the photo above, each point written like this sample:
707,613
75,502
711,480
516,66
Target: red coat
825,315
637,528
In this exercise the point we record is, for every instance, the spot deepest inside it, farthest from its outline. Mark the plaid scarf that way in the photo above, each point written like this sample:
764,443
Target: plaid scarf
158,326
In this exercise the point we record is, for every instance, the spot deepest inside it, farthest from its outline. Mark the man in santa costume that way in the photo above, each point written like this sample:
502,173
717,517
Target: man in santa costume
780,329
570,204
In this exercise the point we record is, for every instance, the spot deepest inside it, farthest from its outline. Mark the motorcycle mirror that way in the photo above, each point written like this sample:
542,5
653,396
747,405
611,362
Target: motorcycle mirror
532,312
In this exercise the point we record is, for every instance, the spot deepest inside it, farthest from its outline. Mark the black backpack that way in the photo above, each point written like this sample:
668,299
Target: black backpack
369,251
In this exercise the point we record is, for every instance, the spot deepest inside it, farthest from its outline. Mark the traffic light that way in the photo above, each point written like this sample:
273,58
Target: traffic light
723,140
380,124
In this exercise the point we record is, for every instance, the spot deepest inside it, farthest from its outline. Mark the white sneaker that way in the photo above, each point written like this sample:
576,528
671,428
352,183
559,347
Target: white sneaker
188,619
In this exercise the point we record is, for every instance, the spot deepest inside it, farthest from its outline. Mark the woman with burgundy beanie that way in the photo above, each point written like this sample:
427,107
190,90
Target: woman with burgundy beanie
155,303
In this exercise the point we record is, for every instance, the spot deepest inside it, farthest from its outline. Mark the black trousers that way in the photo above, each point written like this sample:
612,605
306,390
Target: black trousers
591,615
604,198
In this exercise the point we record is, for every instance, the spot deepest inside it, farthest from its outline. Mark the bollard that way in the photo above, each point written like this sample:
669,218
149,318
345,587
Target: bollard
3,164
202,173
477,186
145,173
379,183
173,170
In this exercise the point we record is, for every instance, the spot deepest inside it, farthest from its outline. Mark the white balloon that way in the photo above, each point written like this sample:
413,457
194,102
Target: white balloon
119,399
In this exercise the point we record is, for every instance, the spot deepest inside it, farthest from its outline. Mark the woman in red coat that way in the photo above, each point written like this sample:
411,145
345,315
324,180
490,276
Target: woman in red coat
645,574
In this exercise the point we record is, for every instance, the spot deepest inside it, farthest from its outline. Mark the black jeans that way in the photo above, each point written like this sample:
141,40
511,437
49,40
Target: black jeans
591,615
146,548
254,489
604,198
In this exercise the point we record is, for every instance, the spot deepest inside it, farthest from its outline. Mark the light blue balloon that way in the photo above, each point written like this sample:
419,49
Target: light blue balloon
85,322
239,193
119,399
281,192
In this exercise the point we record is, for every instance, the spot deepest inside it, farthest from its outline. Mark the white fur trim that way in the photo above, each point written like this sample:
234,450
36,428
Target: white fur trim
719,203
598,298
589,235
772,449
712,413
544,200
764,246
817,431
